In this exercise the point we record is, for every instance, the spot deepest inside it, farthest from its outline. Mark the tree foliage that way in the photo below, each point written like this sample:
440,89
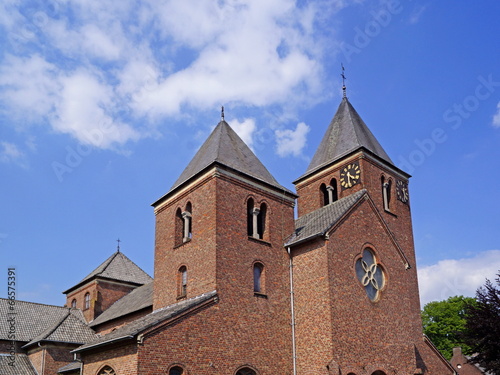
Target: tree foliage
444,323
483,327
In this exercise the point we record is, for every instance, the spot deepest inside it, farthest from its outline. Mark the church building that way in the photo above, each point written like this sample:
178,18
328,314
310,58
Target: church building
243,287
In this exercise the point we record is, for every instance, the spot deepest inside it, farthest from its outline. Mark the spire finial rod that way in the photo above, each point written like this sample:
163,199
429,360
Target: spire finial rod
118,246
222,113
343,80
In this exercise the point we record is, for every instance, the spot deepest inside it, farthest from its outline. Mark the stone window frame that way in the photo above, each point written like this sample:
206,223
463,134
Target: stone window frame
106,370
369,280
183,224
329,193
177,368
257,219
246,370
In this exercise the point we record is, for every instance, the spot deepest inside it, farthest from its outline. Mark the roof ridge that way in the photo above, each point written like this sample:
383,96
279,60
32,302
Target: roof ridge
110,260
35,303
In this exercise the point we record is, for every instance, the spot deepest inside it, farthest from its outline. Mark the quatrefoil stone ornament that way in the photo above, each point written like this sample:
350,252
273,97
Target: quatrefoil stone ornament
370,274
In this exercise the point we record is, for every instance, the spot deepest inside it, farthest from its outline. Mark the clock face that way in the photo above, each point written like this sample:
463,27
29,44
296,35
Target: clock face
350,175
402,191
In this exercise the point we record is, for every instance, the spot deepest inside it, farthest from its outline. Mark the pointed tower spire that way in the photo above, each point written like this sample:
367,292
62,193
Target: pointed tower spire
225,147
346,133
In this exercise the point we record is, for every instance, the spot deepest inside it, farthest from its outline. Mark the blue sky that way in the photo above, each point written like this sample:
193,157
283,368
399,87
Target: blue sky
103,104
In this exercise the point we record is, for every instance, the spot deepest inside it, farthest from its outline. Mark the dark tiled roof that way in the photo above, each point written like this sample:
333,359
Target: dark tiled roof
346,133
70,367
117,267
22,365
136,300
150,320
318,222
225,147
33,319
69,330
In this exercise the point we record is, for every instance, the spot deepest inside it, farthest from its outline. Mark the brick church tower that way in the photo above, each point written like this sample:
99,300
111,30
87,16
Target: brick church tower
356,295
221,227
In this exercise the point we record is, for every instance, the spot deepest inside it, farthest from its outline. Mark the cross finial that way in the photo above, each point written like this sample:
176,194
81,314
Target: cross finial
118,246
343,81
222,113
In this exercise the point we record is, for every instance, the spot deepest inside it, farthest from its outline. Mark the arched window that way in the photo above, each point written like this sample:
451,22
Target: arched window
261,220
73,303
186,225
176,370
106,370
250,207
324,195
258,278
182,282
86,301
246,371
256,219
386,192
378,372
332,191
179,227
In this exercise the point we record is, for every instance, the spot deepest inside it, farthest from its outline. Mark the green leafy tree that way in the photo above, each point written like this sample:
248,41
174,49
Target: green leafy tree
483,327
444,323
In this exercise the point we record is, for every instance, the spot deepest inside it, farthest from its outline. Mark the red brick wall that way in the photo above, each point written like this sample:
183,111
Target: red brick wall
49,358
102,295
123,359
119,322
243,328
198,255
363,335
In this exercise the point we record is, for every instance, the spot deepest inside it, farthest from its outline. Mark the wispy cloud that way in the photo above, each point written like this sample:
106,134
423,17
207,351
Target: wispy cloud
416,14
292,142
496,117
451,277
10,153
245,129
74,66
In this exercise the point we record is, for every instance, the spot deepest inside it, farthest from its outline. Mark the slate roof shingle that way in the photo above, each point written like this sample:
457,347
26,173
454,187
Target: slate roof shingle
136,300
33,319
225,147
76,365
318,222
117,267
150,320
69,330
22,365
346,133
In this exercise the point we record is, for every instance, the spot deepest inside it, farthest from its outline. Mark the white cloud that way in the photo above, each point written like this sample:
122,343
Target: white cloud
245,130
10,153
292,142
453,277
496,117
416,14
91,62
